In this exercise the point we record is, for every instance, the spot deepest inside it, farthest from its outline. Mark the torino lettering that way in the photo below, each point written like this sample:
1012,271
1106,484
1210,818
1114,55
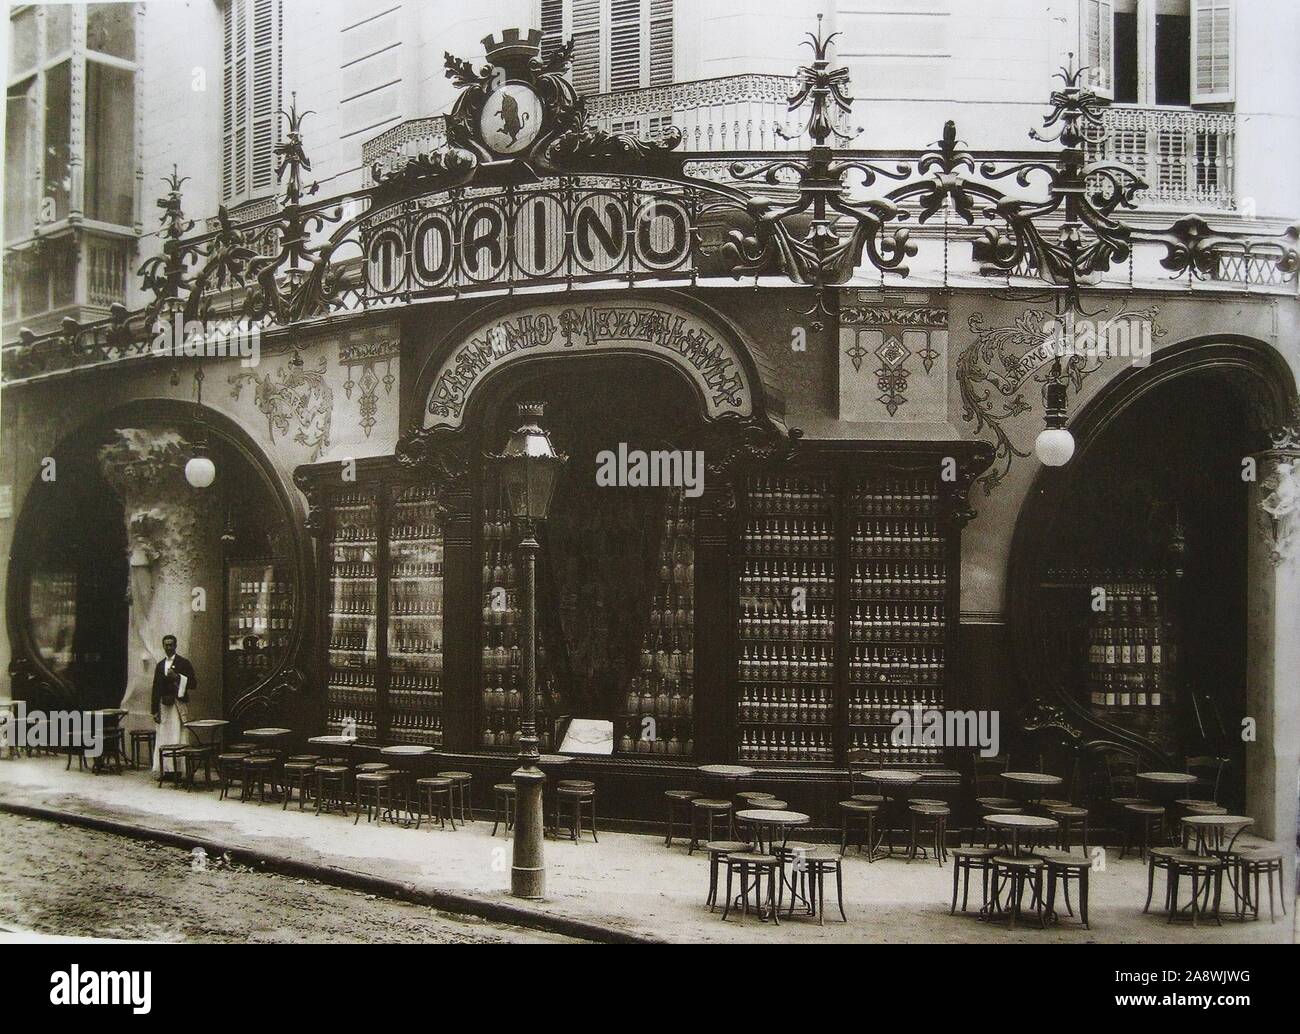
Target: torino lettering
546,233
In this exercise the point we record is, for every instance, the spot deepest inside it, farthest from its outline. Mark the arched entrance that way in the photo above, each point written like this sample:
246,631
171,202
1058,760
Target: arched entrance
117,549
1131,568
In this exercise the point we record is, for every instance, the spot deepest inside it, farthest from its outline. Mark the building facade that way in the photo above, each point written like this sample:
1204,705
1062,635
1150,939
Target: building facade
620,208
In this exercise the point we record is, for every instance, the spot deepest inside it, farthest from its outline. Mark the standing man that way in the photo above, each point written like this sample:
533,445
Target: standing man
174,683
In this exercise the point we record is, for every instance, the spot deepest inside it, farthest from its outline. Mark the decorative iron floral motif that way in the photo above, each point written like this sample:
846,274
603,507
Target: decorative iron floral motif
292,396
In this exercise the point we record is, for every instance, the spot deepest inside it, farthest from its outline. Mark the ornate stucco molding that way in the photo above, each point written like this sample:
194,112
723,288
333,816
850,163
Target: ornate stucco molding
1278,514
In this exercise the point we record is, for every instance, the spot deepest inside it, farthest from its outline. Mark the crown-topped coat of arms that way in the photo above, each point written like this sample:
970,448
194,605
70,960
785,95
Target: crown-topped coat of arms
518,108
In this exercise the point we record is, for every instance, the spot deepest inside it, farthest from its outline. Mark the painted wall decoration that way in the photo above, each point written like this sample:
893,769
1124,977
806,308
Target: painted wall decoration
656,330
292,397
1279,503
997,372
368,356
881,348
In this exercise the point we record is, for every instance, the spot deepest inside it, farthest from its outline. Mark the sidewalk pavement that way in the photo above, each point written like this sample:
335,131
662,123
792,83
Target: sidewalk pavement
627,887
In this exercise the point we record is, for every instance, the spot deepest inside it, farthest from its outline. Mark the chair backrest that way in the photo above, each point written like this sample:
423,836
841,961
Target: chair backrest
1121,772
861,760
1209,771
988,774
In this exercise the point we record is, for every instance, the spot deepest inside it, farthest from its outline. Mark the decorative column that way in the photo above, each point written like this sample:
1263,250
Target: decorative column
174,544
1273,639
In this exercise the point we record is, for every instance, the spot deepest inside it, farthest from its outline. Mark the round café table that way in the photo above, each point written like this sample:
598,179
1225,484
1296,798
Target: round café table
1209,830
406,752
728,777
1016,824
215,727
1030,787
110,749
551,764
768,825
893,782
340,744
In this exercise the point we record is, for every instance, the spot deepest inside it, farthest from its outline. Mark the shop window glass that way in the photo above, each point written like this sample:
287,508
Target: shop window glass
22,43
58,151
110,29
110,156
19,149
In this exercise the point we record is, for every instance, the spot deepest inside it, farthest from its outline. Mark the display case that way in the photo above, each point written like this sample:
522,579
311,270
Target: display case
352,562
659,717
414,618
786,615
259,620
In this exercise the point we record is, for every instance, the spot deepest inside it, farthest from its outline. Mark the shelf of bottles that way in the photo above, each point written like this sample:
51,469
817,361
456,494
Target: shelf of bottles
897,621
259,619
415,609
786,632
660,710
352,635
1131,649
501,709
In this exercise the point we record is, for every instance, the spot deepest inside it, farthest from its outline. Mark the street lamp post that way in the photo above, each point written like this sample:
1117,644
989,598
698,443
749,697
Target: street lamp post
529,466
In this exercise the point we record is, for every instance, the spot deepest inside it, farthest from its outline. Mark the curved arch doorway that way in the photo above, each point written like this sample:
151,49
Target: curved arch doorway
1129,568
616,602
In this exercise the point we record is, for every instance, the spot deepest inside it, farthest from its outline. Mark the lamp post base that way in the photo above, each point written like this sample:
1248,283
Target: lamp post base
528,871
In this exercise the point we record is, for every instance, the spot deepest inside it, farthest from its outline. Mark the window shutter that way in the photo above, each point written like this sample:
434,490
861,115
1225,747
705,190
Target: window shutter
1096,46
1212,58
265,104
229,113
552,26
661,42
586,55
625,44
251,97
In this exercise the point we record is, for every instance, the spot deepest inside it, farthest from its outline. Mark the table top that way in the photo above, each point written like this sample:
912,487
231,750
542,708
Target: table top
1033,778
1173,778
267,733
768,817
892,775
1023,821
554,759
207,723
728,771
410,750
106,711
1218,820
333,741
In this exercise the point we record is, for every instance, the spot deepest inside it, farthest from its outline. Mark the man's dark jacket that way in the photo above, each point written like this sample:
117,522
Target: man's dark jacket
164,688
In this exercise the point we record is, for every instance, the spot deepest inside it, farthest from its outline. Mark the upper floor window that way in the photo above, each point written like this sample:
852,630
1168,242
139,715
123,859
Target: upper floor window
70,137
618,44
251,97
1159,52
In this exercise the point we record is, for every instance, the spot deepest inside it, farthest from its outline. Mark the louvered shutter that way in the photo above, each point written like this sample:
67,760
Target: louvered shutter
1212,52
263,115
661,42
624,44
1096,46
552,26
586,55
251,97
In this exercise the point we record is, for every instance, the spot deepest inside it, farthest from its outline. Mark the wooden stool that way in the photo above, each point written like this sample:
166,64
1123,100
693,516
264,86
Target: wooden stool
710,808
1020,872
258,770
811,872
931,819
462,796
298,774
966,860
1162,858
230,770
1150,818
503,797
578,794
142,737
678,799
864,815
753,799
439,793
718,851
1207,875
1067,869
375,794
754,870
332,788
192,758
1251,863
1068,816
168,752
369,767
